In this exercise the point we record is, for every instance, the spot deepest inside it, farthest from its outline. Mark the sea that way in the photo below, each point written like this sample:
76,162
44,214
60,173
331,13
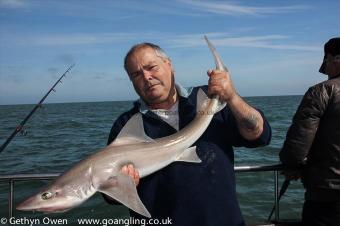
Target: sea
60,134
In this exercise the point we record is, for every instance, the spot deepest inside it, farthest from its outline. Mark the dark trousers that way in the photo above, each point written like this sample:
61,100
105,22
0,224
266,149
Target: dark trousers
321,213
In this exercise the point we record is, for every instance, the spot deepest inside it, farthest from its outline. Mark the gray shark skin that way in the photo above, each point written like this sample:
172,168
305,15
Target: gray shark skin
101,172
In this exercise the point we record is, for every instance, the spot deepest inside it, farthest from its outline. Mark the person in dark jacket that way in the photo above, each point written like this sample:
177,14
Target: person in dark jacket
313,139
189,194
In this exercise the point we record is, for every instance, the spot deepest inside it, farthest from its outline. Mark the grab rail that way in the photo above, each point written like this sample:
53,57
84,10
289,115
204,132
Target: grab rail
11,178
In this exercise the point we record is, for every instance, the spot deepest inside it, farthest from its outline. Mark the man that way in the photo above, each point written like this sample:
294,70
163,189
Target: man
190,194
313,139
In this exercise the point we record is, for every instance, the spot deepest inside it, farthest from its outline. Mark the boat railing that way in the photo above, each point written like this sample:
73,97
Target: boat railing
12,178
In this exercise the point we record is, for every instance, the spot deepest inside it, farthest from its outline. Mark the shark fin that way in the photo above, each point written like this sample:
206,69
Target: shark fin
203,100
220,105
132,132
123,189
189,155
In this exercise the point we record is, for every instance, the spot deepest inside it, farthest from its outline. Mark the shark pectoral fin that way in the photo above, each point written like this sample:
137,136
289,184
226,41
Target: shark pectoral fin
132,132
203,101
220,105
123,189
189,155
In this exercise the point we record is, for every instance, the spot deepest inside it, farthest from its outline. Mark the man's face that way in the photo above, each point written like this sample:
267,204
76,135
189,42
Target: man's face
332,65
151,75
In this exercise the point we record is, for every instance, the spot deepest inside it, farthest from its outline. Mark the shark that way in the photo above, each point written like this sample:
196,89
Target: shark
101,171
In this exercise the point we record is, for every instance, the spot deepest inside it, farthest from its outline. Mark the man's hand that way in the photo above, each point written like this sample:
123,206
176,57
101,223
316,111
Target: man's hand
132,172
220,84
249,120
128,170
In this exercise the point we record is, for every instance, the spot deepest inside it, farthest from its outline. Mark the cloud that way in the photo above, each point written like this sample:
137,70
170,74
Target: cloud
67,39
228,8
14,73
270,41
52,70
66,58
13,4
222,39
110,77
101,75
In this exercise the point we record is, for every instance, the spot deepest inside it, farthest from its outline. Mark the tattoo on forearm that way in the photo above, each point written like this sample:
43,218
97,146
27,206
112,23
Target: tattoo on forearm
250,122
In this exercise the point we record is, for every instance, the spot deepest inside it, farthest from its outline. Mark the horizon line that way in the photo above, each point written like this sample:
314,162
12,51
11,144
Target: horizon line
101,101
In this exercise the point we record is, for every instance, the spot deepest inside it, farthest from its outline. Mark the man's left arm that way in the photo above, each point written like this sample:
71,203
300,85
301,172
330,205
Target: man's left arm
301,133
249,121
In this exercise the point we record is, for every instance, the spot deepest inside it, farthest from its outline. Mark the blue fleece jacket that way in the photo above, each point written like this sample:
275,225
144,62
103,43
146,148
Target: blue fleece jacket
192,194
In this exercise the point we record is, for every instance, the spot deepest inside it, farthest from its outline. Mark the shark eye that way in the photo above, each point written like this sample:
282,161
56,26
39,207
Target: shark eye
46,195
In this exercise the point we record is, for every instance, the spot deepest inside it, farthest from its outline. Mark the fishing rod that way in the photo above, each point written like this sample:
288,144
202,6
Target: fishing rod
283,189
285,185
20,127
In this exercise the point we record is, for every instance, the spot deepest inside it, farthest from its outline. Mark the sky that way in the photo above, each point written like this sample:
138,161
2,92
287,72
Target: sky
271,47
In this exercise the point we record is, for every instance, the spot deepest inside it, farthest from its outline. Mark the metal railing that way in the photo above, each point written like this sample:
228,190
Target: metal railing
29,177
263,168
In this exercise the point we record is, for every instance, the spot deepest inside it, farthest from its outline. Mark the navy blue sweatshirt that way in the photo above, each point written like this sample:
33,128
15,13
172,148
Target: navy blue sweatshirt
192,194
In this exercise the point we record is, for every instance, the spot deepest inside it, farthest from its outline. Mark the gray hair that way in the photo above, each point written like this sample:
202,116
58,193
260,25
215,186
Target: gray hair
158,50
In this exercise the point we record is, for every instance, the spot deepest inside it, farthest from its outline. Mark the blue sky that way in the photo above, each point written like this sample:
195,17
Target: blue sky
270,47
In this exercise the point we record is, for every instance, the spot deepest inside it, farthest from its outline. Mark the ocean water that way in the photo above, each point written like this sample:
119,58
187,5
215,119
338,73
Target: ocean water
59,135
